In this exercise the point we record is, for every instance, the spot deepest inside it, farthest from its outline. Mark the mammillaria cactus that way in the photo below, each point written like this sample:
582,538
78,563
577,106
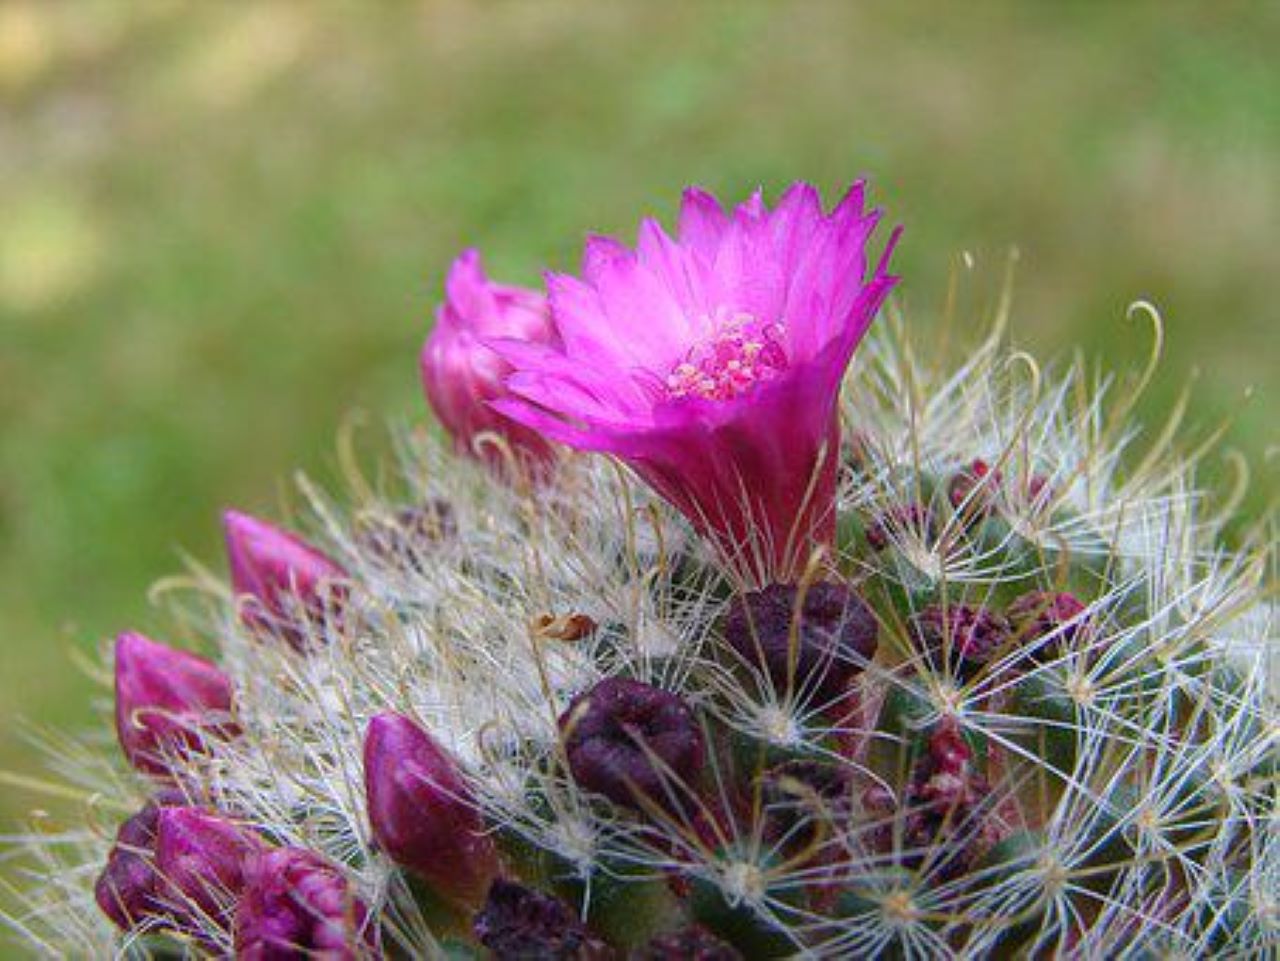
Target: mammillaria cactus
897,659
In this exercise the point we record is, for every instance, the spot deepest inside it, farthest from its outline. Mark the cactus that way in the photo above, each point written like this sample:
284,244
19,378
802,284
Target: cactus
1015,710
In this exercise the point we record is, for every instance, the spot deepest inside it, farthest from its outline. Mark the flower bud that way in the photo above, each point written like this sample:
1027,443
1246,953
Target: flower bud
128,889
462,375
969,636
282,579
421,810
168,702
297,905
947,798
974,489
202,859
518,922
630,741
814,651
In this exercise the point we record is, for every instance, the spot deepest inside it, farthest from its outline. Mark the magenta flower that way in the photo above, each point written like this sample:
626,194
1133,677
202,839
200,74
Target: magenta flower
168,703
421,810
281,579
711,363
462,375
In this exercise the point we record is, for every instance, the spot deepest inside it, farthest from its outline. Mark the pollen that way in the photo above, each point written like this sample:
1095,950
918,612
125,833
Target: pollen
740,353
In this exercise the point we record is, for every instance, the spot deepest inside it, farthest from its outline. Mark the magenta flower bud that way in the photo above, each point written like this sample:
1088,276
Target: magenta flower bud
814,658
168,703
1039,490
1060,617
971,636
946,805
128,889
462,375
297,905
711,363
520,923
630,741
202,859
691,943
974,489
421,810
281,579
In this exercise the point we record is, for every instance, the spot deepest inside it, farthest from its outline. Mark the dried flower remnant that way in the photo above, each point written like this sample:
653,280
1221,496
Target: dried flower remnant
692,943
564,627
518,922
811,640
904,521
633,743
960,634
1052,621
975,489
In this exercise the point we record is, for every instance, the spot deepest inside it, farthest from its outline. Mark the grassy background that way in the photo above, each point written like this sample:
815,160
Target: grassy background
222,225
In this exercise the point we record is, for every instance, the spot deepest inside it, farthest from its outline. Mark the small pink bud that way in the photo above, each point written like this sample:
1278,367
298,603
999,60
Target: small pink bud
948,805
462,375
168,702
974,489
421,810
128,889
295,904
283,579
202,858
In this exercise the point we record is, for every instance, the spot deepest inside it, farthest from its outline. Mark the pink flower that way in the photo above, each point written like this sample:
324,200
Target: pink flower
461,375
711,364
281,579
168,702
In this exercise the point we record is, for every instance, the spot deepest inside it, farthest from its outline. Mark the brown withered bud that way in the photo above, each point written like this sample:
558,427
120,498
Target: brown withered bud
563,627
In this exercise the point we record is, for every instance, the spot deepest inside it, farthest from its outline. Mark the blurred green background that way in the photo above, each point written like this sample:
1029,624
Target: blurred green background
222,225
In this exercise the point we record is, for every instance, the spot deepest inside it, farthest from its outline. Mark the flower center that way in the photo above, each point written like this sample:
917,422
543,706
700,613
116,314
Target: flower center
740,353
